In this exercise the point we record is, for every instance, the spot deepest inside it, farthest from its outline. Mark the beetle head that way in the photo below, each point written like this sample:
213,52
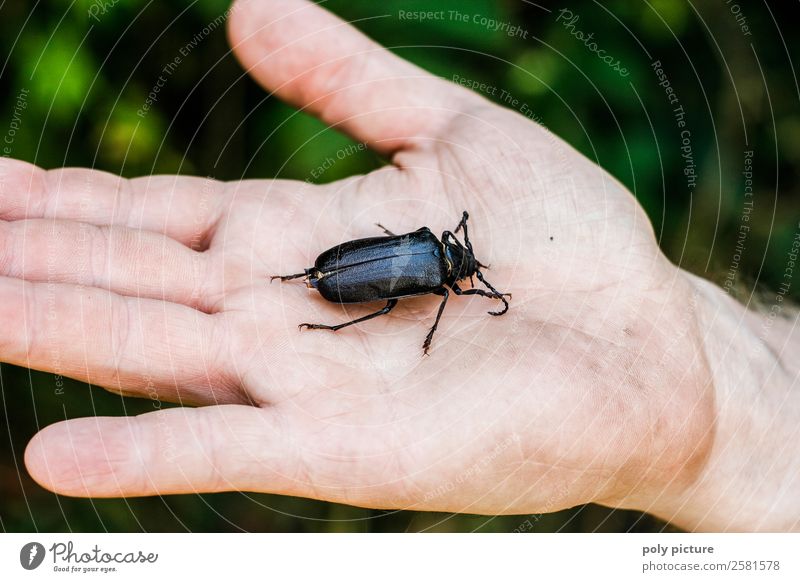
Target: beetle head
464,263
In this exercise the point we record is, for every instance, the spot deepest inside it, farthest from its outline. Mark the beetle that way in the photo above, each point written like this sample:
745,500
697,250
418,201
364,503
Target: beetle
394,267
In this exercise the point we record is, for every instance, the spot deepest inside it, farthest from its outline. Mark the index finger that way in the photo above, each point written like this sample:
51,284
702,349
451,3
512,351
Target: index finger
184,208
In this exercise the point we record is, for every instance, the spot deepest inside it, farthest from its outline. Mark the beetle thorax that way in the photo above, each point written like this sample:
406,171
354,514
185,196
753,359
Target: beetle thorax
461,261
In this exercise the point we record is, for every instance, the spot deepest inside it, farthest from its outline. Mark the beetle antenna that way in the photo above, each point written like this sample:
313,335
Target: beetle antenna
497,294
463,224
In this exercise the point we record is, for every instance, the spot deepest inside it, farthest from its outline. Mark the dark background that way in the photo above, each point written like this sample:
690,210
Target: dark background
82,81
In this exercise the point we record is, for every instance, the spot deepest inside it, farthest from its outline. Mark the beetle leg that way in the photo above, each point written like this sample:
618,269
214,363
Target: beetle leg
389,306
459,291
497,294
384,229
427,344
287,277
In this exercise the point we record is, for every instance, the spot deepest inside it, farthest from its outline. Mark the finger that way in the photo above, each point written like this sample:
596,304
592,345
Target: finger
136,263
142,347
315,61
180,450
186,209
210,449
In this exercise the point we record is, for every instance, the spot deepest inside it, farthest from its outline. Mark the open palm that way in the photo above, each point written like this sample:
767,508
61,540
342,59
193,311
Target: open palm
591,387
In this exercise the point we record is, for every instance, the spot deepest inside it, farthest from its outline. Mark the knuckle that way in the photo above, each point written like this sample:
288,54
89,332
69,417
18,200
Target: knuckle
219,356
32,309
118,330
98,252
7,251
206,273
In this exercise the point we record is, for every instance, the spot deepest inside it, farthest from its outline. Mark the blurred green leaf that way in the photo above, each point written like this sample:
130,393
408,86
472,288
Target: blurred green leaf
666,17
59,70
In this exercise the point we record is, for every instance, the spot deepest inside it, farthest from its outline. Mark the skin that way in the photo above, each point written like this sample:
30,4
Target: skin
615,377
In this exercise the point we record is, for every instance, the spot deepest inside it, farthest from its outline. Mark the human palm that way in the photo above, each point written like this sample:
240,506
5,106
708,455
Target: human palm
588,389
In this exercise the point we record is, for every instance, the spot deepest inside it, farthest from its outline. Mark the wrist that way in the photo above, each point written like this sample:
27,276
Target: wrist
749,480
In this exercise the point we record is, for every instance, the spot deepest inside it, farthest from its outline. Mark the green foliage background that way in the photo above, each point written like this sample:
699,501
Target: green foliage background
84,79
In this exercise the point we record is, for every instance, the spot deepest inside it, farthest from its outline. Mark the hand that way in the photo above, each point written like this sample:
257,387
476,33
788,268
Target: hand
594,387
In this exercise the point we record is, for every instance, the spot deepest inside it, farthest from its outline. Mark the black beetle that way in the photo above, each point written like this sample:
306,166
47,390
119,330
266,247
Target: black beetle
395,266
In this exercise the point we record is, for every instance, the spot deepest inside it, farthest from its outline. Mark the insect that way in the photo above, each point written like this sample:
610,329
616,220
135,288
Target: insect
395,266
